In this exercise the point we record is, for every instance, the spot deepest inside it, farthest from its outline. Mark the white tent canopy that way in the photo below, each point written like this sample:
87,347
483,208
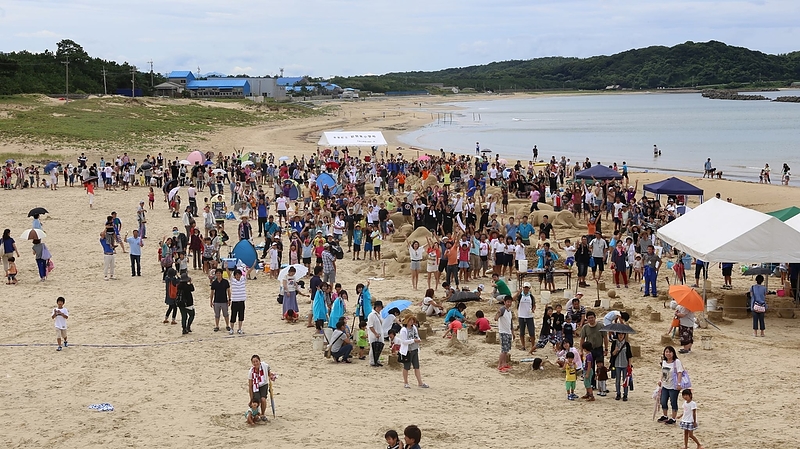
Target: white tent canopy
718,231
352,139
794,222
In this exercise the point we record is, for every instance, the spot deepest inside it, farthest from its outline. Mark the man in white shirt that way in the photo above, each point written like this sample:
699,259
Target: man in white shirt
375,334
281,203
526,306
238,296
505,327
493,175
599,249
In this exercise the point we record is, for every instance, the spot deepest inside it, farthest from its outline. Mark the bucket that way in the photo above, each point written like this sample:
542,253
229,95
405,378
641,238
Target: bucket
462,335
781,293
328,333
318,343
705,340
523,266
544,295
711,304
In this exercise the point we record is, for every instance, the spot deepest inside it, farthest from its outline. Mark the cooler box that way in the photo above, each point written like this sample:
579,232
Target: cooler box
229,263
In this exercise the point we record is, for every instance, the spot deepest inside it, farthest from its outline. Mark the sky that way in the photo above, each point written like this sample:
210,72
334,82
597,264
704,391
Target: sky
322,38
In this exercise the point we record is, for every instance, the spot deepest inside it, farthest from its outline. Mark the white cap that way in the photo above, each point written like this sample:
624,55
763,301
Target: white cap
481,287
526,284
579,294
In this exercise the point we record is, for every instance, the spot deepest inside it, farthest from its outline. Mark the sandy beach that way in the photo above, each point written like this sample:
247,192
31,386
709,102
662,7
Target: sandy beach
173,390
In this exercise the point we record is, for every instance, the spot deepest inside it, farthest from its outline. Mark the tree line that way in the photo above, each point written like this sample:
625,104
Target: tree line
24,72
690,64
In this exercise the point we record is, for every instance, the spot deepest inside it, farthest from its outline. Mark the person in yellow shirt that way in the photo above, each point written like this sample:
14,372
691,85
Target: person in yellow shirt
571,376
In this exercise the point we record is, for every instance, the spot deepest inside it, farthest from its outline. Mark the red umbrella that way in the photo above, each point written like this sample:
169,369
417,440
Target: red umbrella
333,165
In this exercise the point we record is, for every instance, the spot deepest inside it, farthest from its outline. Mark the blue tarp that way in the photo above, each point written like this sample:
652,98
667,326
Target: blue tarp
599,172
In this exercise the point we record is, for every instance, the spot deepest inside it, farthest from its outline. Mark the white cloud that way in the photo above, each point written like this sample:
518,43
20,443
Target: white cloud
261,37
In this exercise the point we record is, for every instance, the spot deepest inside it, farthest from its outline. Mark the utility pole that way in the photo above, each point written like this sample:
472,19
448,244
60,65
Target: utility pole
133,81
105,87
151,73
66,85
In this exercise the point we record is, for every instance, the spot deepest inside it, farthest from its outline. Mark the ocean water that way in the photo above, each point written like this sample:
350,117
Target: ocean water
739,136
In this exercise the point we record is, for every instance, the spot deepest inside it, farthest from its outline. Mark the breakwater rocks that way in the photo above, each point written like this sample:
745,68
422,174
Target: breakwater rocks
730,95
787,99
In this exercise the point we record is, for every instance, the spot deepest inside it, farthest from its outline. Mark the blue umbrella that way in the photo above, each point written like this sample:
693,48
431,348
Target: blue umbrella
209,162
401,304
50,166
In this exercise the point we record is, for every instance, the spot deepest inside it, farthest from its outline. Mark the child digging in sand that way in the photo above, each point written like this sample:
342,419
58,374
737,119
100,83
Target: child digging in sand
689,419
252,414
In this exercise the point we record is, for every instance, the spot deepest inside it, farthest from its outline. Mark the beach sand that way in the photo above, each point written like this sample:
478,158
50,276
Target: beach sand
171,390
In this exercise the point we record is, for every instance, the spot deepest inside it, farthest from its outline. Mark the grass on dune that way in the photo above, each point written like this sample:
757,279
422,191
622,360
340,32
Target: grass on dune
127,121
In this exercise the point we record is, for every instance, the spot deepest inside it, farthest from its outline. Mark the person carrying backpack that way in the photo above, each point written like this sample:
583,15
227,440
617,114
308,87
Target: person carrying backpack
171,282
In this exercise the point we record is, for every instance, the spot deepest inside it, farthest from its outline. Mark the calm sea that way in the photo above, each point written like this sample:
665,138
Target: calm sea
738,136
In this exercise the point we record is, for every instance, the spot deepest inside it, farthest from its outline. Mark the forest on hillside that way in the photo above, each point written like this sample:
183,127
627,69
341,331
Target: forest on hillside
24,72
685,65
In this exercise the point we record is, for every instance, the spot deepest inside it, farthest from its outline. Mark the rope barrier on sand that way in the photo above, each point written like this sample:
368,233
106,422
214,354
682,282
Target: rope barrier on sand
143,345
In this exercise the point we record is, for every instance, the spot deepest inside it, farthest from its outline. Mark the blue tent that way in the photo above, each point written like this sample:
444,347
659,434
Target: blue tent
598,172
245,252
673,186
294,189
325,179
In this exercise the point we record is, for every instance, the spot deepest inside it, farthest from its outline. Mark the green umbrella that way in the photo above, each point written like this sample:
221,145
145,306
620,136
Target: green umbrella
785,214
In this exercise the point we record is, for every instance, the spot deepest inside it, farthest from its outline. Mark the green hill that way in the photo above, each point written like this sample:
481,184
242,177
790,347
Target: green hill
24,72
684,65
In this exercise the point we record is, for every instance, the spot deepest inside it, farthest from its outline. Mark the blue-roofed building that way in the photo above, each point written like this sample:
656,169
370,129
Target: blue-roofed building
219,87
180,77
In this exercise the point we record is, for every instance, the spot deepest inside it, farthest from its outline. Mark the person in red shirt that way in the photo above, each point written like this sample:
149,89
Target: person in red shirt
90,192
481,325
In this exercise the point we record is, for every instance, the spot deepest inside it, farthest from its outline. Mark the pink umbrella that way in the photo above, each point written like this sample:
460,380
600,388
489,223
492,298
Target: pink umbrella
502,161
196,157
424,157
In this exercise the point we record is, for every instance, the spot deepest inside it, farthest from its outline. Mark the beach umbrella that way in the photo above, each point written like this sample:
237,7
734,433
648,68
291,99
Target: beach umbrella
173,192
146,166
464,297
400,304
50,166
196,157
10,161
283,158
246,163
618,328
333,165
32,234
37,211
89,179
301,271
502,161
272,398
170,185
486,150
218,171
424,157
209,163
185,162
687,297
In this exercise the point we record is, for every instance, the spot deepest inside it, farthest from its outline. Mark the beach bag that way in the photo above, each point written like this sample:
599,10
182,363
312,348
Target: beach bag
46,253
50,266
280,299
167,261
676,322
686,381
591,262
758,308
172,289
